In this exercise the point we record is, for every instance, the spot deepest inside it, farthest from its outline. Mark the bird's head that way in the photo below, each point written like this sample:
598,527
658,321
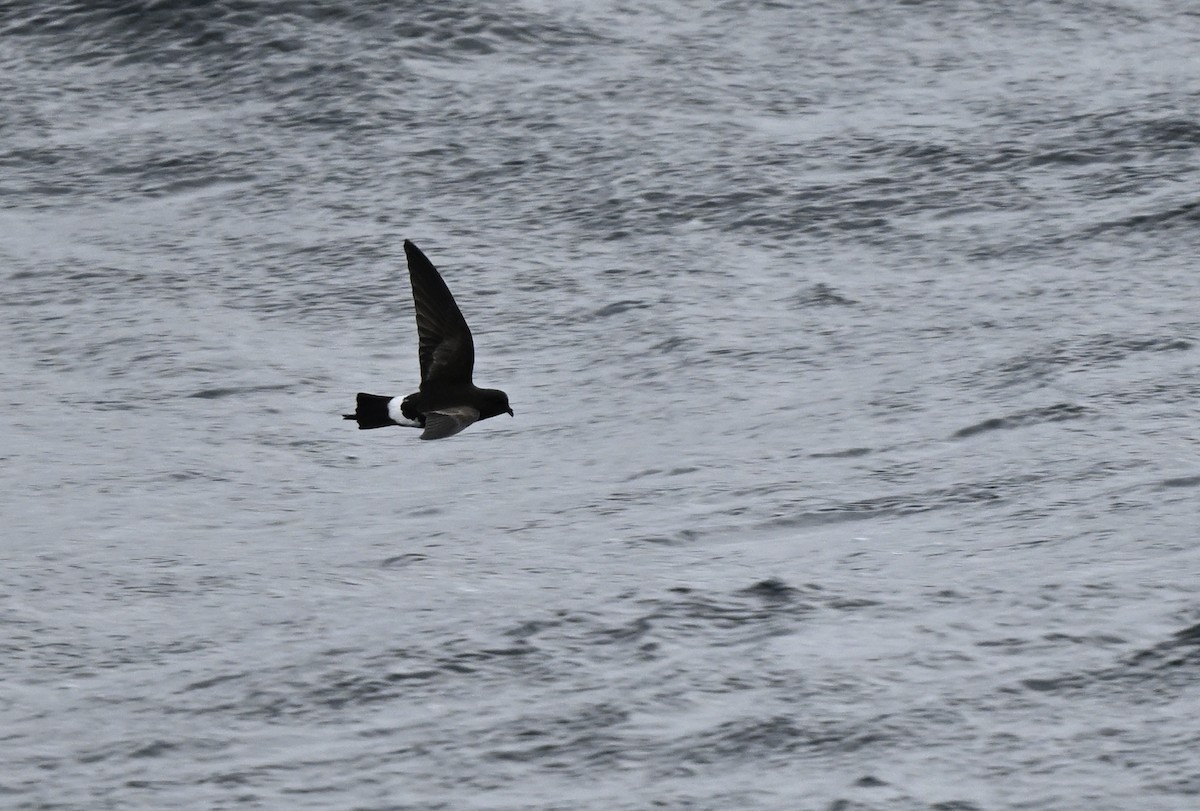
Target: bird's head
496,403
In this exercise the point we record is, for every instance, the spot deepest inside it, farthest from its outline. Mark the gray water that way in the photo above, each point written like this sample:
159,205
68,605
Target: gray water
853,354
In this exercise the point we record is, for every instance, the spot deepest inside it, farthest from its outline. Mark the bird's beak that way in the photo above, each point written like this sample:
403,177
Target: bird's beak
510,413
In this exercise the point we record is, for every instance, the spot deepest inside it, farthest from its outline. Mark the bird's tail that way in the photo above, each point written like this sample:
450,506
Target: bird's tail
372,411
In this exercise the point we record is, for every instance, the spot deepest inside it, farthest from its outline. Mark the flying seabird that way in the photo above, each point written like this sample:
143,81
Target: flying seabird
447,401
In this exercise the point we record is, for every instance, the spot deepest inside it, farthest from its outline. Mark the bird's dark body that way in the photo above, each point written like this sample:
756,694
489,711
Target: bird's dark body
489,402
447,401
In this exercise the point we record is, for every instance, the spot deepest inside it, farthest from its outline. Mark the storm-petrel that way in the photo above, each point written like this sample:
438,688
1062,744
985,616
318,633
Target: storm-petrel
448,401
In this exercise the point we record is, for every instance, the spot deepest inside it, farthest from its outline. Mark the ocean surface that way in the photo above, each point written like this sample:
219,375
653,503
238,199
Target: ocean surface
854,354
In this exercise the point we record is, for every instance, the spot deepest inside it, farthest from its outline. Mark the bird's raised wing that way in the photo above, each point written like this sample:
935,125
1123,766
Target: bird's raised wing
446,349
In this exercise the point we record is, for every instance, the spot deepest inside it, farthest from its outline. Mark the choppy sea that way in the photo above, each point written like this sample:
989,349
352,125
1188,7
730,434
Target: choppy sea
853,350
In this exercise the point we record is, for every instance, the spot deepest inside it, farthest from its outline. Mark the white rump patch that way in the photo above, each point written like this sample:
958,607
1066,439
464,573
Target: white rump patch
398,416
